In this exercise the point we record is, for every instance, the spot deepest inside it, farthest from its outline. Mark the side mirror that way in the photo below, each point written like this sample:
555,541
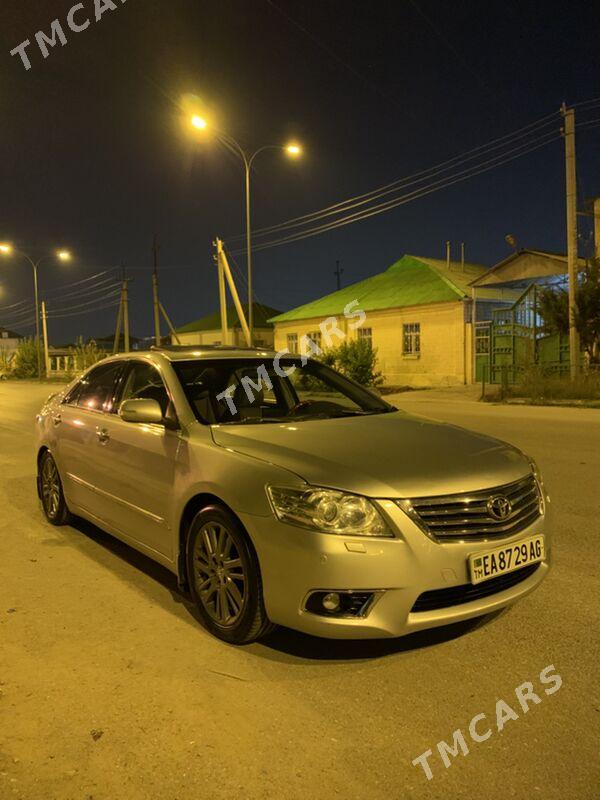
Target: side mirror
145,411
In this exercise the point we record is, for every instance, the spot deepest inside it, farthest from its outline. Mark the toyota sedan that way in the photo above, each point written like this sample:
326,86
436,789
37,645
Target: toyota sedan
279,492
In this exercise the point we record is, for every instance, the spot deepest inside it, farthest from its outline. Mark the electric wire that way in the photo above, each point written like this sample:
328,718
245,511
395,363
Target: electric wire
531,129
449,180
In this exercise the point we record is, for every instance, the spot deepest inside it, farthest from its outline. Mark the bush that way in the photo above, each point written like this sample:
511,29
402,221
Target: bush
356,359
539,385
25,362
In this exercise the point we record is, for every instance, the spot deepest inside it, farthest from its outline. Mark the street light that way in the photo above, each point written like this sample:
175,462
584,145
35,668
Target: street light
292,149
62,255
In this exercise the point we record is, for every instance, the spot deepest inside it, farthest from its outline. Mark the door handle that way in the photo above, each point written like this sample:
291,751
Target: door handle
56,419
103,435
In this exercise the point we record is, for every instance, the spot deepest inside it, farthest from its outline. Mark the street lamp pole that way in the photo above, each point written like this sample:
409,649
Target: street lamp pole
247,161
234,146
63,255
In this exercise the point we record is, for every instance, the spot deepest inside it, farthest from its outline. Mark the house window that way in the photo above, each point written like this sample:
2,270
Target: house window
292,342
411,339
315,338
482,339
365,335
5,334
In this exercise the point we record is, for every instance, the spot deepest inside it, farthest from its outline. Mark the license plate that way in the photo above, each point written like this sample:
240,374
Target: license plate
501,560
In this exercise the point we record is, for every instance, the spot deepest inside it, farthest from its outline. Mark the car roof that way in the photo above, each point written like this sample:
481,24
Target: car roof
203,351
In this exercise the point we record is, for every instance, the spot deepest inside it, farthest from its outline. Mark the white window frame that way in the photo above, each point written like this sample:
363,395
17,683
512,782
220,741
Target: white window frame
411,335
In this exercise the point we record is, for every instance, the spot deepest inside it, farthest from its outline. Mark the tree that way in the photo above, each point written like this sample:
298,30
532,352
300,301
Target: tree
553,308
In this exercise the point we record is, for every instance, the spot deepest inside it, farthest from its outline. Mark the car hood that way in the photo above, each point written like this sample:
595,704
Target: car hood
384,455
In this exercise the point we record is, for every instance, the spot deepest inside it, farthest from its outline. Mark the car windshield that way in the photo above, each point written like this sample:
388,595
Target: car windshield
252,391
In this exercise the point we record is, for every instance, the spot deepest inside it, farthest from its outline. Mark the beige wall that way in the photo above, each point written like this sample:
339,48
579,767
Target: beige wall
262,337
445,358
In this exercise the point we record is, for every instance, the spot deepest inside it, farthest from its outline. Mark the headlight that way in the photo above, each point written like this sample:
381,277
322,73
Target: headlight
540,484
328,511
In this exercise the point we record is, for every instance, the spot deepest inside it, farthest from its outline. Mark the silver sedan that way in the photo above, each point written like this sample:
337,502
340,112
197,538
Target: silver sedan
280,492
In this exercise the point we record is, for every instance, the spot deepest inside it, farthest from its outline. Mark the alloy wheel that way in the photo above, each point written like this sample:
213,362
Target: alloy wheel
50,487
219,574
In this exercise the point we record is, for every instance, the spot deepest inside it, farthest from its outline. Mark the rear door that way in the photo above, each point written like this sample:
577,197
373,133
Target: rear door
136,464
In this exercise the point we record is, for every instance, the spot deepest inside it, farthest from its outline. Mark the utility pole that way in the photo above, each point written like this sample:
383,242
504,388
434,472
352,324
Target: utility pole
338,274
45,332
126,312
572,262
155,300
596,211
223,265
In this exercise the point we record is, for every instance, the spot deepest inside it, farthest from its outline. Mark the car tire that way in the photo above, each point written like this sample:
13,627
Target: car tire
224,577
51,492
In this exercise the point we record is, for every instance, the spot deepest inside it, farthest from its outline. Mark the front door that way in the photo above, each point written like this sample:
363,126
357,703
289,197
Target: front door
136,465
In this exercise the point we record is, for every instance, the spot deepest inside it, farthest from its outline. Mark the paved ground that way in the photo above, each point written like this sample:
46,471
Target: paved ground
109,688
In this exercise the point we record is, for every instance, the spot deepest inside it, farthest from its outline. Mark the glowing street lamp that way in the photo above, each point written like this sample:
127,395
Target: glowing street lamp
199,122
293,150
7,249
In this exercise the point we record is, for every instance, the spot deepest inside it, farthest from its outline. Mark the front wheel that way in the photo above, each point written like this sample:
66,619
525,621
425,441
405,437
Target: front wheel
51,491
224,577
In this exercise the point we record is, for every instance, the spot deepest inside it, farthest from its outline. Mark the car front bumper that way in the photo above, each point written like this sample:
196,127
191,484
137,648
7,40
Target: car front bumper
295,562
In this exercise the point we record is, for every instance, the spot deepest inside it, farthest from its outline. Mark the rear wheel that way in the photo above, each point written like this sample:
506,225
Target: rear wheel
53,498
224,577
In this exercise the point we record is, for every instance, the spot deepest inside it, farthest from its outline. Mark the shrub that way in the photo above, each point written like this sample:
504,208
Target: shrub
539,385
356,359
25,362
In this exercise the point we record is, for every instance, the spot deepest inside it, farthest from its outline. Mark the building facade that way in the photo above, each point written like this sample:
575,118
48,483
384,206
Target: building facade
418,316
207,330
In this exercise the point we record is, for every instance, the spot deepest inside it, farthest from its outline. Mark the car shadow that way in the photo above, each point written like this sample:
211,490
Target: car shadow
284,644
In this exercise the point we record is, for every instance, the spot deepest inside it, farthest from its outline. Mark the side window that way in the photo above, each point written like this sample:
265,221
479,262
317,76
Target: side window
144,383
97,387
72,397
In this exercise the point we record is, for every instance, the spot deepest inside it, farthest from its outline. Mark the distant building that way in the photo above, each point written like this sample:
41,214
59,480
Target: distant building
418,317
207,330
9,341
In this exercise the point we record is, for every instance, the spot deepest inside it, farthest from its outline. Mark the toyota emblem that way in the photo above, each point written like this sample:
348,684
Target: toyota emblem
499,507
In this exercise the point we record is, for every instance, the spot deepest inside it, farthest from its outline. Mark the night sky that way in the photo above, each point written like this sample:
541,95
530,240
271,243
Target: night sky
95,157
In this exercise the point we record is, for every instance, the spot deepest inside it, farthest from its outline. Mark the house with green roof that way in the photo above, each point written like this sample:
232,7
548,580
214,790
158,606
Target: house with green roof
207,330
417,316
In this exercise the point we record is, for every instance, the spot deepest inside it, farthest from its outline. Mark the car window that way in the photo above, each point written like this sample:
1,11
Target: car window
71,398
248,390
143,382
311,388
97,387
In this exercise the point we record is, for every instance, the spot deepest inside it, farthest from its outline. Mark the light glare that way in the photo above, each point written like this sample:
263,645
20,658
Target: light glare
199,122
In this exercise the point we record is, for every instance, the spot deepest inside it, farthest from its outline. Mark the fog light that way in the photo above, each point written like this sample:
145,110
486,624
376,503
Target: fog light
346,603
331,601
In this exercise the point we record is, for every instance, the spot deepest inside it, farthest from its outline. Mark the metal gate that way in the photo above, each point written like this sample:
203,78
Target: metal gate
514,341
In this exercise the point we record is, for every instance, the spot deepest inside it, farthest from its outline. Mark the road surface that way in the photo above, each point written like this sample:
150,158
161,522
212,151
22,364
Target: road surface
111,690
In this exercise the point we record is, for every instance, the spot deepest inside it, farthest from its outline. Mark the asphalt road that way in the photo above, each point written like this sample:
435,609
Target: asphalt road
111,690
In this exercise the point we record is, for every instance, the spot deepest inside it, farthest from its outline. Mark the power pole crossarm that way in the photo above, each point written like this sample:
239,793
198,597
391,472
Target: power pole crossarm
572,261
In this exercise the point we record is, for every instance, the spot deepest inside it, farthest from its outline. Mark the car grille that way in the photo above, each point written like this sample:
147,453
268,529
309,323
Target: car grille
456,595
460,516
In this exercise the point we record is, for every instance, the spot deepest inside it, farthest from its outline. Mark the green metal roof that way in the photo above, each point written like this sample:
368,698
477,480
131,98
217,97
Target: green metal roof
411,281
212,322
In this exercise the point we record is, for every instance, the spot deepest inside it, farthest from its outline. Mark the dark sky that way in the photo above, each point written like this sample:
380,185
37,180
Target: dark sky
94,155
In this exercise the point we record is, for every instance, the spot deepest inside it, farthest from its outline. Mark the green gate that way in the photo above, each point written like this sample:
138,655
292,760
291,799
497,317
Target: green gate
517,342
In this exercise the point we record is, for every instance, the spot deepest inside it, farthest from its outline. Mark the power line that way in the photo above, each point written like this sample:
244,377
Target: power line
531,129
88,311
449,180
